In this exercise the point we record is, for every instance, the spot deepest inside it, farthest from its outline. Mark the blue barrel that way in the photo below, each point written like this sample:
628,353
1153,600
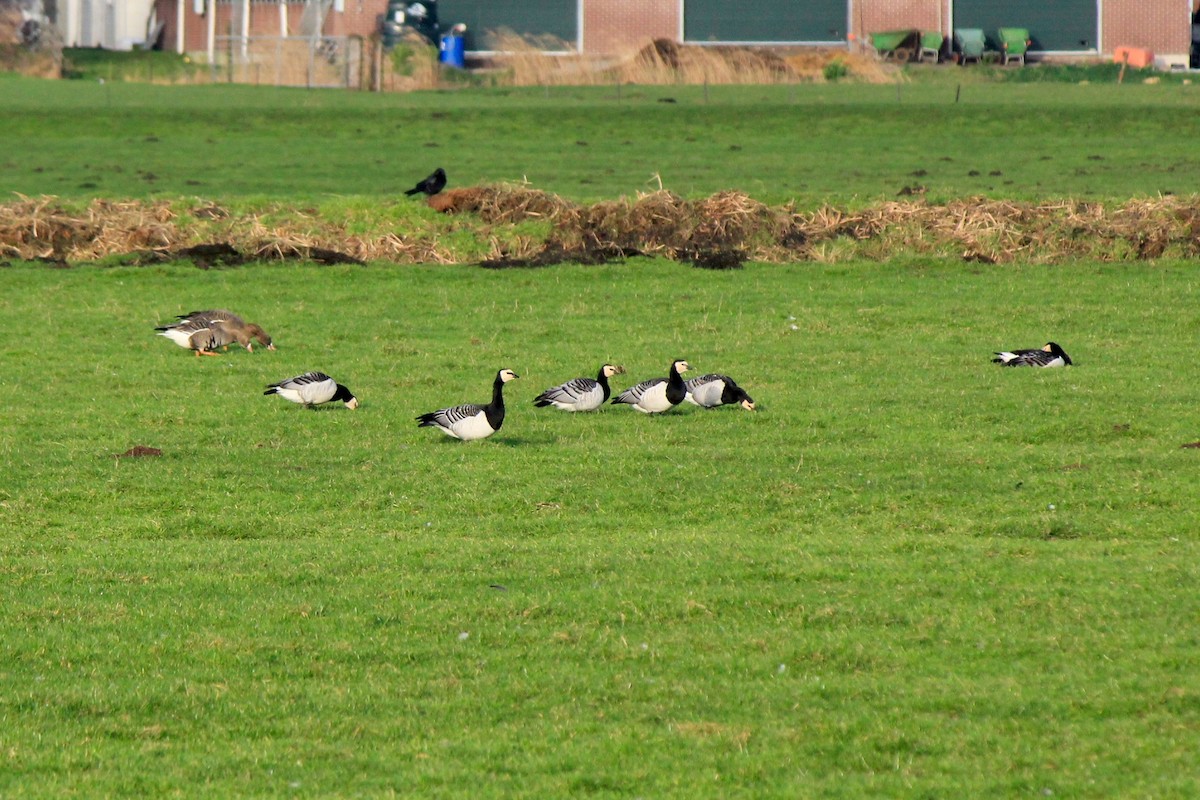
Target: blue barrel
453,51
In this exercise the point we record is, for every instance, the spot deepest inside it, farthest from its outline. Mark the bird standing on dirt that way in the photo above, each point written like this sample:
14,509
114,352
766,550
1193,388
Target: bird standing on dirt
431,185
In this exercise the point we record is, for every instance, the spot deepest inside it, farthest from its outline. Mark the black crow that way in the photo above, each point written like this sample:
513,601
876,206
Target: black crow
431,185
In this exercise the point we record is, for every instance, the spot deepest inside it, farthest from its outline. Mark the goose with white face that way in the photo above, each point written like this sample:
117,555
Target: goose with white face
657,394
713,389
471,421
313,389
1049,355
580,394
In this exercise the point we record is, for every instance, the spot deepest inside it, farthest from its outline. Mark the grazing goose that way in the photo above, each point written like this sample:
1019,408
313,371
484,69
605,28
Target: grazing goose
712,390
312,389
658,394
1049,356
200,335
580,394
470,420
240,330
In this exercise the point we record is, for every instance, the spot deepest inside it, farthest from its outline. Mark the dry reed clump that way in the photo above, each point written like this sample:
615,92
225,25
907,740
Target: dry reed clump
666,62
720,231
42,229
504,203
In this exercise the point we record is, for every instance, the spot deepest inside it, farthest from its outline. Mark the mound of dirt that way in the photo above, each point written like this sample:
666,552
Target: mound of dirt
717,232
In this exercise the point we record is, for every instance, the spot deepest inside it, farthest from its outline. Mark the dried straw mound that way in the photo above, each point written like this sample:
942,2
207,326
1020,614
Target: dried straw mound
711,63
42,229
662,222
720,231
501,204
997,231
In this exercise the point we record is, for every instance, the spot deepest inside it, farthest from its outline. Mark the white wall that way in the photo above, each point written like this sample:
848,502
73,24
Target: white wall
112,24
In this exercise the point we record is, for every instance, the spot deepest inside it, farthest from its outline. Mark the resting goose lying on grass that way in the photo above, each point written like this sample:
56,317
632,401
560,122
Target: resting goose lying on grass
712,390
658,394
470,420
1049,356
312,389
580,394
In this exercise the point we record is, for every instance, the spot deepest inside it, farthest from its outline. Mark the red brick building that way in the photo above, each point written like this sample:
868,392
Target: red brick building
1066,28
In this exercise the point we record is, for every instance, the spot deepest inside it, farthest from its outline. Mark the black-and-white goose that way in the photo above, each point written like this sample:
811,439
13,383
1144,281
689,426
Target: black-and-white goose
312,389
1049,356
471,421
712,390
658,394
580,394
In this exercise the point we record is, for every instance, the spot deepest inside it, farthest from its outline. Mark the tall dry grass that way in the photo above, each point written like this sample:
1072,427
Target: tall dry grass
665,62
659,223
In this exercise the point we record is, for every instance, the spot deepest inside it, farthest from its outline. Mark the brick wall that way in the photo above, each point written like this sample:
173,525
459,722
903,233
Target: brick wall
887,15
357,19
615,26
1161,26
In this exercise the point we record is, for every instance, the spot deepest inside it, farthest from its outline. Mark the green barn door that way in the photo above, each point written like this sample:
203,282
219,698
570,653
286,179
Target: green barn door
540,21
764,21
1070,25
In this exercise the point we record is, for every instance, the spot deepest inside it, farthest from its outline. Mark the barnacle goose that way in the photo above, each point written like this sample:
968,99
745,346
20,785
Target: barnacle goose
471,421
1049,356
658,394
580,394
312,389
712,390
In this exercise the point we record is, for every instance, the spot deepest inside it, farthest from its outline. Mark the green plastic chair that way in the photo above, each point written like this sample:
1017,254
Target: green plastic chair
971,43
1014,43
931,45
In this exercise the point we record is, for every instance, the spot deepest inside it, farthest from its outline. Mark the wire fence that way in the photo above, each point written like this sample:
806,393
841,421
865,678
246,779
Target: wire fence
331,62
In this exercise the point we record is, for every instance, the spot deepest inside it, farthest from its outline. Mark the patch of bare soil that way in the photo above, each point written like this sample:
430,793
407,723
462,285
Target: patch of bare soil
140,451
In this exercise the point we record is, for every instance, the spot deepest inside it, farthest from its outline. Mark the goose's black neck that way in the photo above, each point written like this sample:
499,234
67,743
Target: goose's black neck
602,379
495,410
676,390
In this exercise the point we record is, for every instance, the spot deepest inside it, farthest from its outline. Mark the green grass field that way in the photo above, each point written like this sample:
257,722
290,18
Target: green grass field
811,144
911,573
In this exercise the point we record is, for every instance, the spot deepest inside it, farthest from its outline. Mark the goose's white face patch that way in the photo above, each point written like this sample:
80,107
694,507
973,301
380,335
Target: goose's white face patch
507,375
352,402
682,366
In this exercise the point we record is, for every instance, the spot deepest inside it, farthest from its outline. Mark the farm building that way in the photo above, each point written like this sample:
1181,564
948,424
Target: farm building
1058,28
